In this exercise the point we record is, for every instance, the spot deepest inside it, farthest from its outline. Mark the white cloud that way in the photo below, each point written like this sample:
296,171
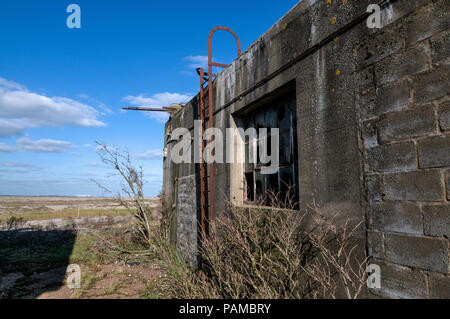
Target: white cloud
100,104
19,167
150,154
158,100
93,164
10,127
21,109
16,164
197,61
7,148
16,171
25,144
11,85
43,145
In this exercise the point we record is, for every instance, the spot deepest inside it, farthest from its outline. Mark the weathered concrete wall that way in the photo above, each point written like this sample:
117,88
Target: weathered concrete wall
403,100
187,221
372,129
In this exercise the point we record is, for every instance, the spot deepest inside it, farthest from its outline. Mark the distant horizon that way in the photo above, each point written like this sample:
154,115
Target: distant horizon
76,196
62,89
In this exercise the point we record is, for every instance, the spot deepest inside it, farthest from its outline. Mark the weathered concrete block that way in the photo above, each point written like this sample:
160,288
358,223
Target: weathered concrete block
434,151
375,244
340,165
436,220
414,186
373,188
393,68
391,158
447,183
440,47
444,116
439,287
380,44
187,114
400,282
369,133
398,9
432,85
427,21
421,252
396,217
407,124
366,103
365,79
391,97
186,223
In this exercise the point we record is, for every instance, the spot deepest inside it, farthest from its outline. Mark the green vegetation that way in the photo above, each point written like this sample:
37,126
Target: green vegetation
40,251
110,246
88,280
274,253
66,214
35,251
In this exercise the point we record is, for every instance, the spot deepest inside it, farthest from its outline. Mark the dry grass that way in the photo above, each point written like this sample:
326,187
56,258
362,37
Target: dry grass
251,252
65,214
261,252
132,187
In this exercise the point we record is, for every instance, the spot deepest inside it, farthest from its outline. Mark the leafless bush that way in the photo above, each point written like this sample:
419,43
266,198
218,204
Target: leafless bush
162,237
14,222
274,252
256,253
132,187
333,268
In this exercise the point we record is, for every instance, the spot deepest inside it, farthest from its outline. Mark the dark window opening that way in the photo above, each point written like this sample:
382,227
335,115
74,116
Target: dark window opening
283,184
259,186
249,186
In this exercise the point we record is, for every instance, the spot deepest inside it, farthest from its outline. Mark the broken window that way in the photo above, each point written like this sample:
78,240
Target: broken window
284,183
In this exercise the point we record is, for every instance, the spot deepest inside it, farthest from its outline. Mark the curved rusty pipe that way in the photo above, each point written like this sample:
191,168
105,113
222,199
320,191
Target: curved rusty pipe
211,108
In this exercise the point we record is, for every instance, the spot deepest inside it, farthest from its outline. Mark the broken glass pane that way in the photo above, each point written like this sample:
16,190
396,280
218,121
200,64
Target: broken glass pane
259,186
284,118
249,186
271,119
286,184
248,160
276,115
285,149
259,121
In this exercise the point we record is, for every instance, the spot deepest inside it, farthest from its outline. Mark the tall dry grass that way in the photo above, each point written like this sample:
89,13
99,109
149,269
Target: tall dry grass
275,252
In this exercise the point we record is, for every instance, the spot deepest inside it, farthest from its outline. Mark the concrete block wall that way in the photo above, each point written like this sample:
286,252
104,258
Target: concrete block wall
403,96
373,129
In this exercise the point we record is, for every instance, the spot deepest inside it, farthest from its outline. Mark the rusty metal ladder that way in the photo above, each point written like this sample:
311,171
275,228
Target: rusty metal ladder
207,169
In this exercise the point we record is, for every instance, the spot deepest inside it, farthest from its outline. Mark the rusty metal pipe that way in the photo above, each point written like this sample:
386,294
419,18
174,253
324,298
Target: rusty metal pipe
147,109
358,19
202,166
211,109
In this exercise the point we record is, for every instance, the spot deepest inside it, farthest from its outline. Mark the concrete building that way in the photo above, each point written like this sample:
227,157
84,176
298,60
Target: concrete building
366,119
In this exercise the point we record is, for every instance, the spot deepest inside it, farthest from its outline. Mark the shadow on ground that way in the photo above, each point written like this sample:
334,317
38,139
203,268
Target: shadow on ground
33,262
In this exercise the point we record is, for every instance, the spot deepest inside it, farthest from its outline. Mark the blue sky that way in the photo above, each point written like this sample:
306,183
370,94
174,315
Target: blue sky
61,89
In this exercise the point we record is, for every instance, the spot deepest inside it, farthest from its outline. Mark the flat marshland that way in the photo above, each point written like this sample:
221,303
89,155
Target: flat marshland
39,208
33,262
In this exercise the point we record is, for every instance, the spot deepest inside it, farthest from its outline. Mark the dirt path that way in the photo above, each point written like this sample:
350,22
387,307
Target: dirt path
18,205
33,260
114,281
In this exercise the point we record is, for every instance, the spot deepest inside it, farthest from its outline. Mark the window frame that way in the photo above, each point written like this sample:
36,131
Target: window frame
250,120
